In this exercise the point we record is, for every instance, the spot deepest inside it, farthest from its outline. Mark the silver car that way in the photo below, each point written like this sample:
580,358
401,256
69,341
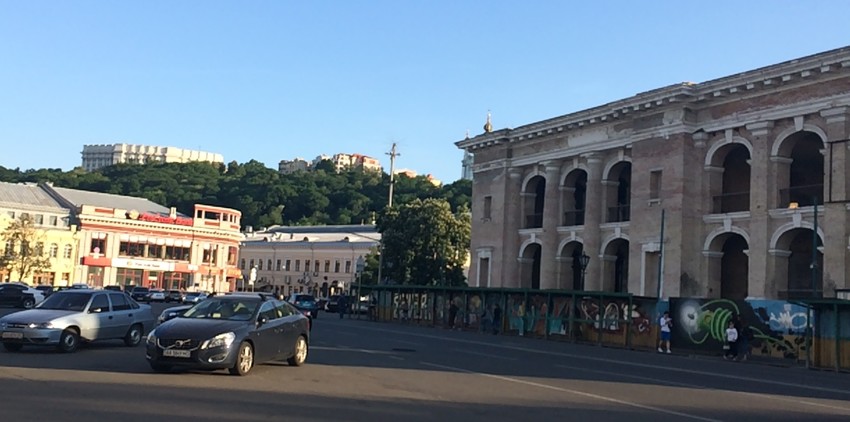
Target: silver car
68,317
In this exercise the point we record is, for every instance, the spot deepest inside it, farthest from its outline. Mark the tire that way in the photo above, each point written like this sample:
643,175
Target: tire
28,303
158,367
301,350
13,347
244,360
69,341
134,336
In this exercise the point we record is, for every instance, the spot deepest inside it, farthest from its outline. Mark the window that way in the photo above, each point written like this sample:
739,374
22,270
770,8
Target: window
260,264
119,302
284,309
269,265
25,248
267,311
66,253
54,250
98,246
251,264
297,265
99,304
155,251
11,214
54,220
655,184
10,248
210,254
134,249
327,265
307,265
39,248
316,268
38,219
286,266
242,264
488,206
177,253
336,266
232,252
277,267
347,266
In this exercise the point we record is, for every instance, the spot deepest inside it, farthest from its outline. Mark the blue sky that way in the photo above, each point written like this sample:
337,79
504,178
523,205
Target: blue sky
272,80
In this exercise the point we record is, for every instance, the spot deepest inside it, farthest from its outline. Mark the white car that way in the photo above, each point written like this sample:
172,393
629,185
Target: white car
156,296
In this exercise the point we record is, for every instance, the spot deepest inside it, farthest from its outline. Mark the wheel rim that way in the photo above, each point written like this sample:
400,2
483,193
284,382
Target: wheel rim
135,335
246,359
70,341
28,304
301,350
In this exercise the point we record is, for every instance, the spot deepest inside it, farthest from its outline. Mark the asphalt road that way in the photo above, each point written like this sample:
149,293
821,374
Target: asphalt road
363,371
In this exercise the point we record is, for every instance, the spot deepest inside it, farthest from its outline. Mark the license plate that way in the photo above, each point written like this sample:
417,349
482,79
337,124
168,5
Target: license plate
10,334
171,353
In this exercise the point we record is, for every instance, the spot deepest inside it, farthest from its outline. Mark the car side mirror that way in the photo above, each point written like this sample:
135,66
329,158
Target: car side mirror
95,310
262,321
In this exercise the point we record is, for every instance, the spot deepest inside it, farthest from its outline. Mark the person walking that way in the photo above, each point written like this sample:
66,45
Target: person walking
342,305
666,323
731,346
497,319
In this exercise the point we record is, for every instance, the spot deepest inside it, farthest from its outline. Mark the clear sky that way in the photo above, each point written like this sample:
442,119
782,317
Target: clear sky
272,80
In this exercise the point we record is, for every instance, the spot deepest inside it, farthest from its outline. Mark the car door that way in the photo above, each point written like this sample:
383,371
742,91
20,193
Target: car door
99,322
10,296
267,334
289,329
122,314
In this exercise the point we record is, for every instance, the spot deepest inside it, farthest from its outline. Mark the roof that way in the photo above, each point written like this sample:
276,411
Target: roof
28,196
329,236
341,229
79,198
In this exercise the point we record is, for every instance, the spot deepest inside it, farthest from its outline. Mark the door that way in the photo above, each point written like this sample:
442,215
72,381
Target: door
267,335
122,313
100,322
289,332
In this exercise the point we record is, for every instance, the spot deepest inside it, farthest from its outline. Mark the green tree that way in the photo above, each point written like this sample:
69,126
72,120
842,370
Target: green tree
424,243
22,257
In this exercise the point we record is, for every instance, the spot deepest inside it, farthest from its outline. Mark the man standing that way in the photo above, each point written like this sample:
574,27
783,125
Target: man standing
666,323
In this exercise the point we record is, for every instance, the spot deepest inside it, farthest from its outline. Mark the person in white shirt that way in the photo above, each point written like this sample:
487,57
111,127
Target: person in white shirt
666,323
731,341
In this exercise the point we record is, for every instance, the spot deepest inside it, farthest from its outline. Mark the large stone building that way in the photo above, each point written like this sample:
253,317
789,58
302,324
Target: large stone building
54,237
321,260
97,156
747,168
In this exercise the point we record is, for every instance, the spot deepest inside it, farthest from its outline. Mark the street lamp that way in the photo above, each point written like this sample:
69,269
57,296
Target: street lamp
359,266
583,260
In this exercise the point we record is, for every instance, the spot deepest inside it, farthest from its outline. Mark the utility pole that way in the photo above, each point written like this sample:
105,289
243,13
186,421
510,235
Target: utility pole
393,154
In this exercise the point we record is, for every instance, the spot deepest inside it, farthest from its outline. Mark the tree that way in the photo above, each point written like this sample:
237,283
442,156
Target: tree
22,257
424,243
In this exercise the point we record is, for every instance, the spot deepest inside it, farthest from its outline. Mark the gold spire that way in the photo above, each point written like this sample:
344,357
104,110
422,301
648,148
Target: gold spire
488,127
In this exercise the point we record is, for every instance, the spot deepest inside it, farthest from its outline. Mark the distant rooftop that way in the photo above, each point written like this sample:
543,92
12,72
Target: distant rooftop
29,196
78,198
349,228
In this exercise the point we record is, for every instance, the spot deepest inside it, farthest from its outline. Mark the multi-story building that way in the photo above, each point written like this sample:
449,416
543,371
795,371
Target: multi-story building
135,242
748,173
317,259
292,166
54,237
97,156
466,163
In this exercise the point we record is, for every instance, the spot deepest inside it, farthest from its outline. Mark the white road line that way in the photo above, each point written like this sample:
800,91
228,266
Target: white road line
396,357
619,362
486,355
702,387
574,392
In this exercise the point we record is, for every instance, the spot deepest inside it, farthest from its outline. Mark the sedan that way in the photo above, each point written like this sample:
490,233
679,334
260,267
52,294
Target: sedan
172,313
194,297
234,332
20,295
69,317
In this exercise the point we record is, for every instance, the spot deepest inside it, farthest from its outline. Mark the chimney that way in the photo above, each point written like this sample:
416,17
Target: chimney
172,213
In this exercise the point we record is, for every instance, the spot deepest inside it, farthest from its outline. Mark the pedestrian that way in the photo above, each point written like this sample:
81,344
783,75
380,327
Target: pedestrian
453,309
497,319
486,319
405,310
744,333
731,347
342,305
666,324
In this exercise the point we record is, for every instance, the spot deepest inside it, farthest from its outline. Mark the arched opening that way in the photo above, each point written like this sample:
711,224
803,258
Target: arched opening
617,266
619,192
799,267
570,272
530,266
805,170
534,198
731,193
734,268
574,194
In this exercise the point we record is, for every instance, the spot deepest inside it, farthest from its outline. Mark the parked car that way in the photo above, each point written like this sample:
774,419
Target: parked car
140,294
156,295
306,303
20,295
172,313
333,304
234,332
113,287
194,297
174,296
72,316
46,290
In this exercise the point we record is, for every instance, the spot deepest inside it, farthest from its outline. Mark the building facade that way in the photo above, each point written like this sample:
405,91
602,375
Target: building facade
131,241
97,156
321,260
292,166
54,237
748,174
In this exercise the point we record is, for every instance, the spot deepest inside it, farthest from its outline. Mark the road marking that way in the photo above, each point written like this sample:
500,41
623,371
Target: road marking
571,391
618,362
486,355
396,357
702,387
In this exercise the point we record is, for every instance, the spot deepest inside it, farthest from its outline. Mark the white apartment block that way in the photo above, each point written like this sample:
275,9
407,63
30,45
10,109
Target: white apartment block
97,156
341,162
292,166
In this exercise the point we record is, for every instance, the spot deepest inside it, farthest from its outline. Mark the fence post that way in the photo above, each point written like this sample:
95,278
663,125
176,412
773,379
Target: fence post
571,320
629,322
548,312
600,316
837,358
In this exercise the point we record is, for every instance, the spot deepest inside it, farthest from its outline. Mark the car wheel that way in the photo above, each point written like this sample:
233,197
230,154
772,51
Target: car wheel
300,355
28,303
244,360
69,341
133,336
13,347
158,367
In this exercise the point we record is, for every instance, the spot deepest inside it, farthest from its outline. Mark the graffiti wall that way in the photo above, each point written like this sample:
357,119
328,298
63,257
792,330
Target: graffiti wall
771,327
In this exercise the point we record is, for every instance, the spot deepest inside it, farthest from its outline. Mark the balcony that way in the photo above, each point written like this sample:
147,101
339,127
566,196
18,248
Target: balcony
619,213
730,202
804,196
534,221
573,218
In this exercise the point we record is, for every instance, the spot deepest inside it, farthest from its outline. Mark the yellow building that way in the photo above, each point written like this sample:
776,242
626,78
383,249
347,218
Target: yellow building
54,237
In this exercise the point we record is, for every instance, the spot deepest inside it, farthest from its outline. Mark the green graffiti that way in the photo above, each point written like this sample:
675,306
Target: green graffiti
712,323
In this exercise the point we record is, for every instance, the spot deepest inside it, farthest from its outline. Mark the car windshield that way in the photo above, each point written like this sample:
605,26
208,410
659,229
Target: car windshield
229,309
66,301
304,299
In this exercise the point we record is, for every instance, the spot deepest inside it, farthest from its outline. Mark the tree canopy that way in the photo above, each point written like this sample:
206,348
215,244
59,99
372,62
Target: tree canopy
24,251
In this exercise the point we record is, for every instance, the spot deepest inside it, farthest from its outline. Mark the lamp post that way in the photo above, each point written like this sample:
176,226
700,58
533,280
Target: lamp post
583,260
361,264
814,265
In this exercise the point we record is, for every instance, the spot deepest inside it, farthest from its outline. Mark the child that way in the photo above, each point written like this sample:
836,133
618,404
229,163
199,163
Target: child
731,341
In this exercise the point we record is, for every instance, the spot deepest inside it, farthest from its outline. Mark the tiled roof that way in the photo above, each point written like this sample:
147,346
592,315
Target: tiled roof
28,196
109,200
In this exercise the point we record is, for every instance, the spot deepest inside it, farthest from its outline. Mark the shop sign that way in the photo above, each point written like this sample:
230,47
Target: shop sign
142,265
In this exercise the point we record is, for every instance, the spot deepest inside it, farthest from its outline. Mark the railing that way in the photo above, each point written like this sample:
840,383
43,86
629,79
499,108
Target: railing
800,294
731,202
619,213
573,218
803,196
534,221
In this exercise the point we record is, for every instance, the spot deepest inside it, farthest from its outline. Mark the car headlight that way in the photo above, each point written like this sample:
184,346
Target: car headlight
152,336
43,325
221,340
3,325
